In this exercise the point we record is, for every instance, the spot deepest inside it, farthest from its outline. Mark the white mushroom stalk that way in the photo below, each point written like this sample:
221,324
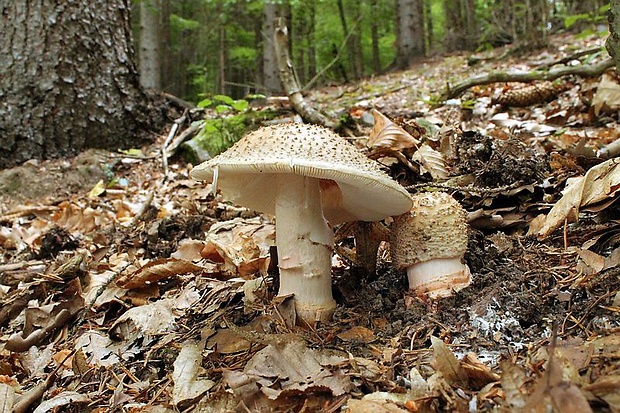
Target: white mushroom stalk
306,176
305,245
430,242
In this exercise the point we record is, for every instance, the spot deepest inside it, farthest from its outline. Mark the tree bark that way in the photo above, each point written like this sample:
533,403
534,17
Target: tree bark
68,80
409,32
613,41
271,78
150,32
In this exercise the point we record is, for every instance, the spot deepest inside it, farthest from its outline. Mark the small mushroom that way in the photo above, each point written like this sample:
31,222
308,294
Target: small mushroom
429,242
306,176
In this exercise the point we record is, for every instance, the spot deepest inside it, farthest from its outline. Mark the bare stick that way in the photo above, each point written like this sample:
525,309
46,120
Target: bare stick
287,76
552,74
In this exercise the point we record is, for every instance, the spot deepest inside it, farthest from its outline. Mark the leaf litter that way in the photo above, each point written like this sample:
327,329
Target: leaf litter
127,286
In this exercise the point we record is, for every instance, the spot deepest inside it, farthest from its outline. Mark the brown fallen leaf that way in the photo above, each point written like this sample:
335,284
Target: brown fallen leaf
599,184
446,362
156,270
372,406
288,367
386,138
358,333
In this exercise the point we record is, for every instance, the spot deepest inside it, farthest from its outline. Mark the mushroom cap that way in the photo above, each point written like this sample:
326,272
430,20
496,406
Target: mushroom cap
353,188
436,227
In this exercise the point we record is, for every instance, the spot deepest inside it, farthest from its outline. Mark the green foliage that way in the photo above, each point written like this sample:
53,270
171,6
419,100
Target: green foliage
220,133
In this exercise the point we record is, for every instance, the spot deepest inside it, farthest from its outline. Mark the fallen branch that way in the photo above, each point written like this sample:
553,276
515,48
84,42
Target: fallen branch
552,74
287,76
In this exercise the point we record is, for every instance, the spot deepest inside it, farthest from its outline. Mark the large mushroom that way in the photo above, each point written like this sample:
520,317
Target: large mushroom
430,242
306,176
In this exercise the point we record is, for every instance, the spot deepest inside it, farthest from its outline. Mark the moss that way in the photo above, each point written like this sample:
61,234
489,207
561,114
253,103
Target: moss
219,134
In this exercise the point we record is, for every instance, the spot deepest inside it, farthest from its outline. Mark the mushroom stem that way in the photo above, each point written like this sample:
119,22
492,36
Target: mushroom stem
439,277
305,244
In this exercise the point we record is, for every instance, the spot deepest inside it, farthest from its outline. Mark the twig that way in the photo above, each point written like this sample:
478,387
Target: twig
552,74
570,58
287,77
467,189
171,134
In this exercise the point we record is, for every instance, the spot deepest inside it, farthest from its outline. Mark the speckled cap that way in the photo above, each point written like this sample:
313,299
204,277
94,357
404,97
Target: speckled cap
353,187
435,228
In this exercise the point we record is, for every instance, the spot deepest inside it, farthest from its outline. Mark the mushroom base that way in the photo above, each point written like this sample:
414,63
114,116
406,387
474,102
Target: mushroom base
305,245
439,277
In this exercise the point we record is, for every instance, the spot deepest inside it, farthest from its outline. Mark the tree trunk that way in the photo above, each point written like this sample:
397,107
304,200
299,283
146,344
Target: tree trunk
410,32
374,35
68,80
613,41
150,31
165,49
453,25
271,77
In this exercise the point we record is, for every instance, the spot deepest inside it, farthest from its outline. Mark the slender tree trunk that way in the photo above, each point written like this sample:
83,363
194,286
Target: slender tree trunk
222,52
150,32
355,46
470,25
311,38
410,32
453,25
430,35
271,78
374,35
68,79
345,32
165,49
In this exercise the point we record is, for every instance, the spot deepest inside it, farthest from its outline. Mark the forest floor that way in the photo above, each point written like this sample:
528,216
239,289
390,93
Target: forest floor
127,286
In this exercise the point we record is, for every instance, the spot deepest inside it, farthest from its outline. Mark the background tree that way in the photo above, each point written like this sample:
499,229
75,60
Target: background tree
409,32
68,79
271,77
613,41
150,41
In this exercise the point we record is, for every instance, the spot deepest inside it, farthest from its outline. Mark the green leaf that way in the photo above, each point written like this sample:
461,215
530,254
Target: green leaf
204,103
224,99
570,20
240,105
222,108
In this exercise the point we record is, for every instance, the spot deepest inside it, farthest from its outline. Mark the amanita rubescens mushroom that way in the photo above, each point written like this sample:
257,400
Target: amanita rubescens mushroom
306,176
430,242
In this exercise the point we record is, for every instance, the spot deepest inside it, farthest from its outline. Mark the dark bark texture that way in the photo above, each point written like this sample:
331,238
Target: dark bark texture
68,80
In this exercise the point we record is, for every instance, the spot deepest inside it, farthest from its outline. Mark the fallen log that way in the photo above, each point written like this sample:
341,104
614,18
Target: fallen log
594,70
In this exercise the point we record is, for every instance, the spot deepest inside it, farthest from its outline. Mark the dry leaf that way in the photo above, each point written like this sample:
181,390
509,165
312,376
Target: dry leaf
386,137
607,96
287,367
358,333
477,372
7,398
608,389
156,270
600,183
373,406
513,382
432,162
66,398
446,362
187,385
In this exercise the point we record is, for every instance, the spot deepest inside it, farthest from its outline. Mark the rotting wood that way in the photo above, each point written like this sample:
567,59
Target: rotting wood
289,82
452,92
